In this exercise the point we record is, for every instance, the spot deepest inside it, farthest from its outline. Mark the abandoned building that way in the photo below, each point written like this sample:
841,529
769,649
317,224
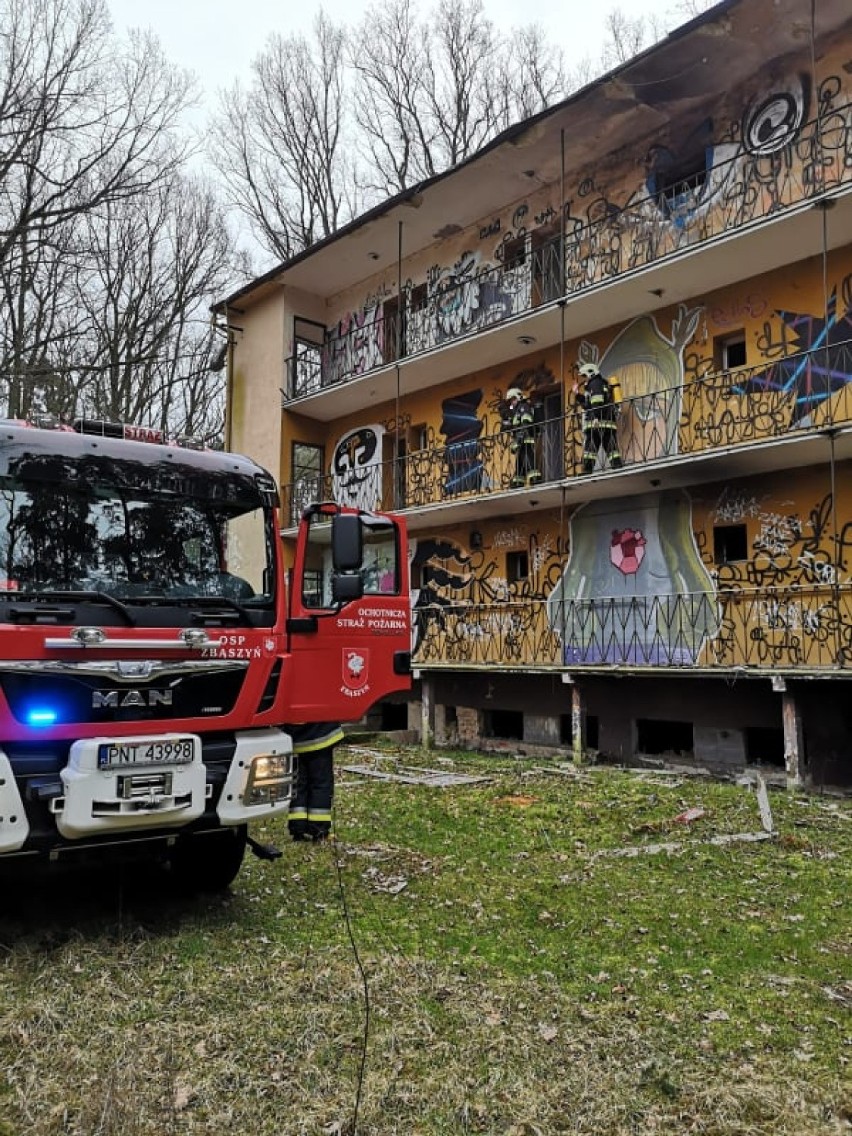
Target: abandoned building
673,577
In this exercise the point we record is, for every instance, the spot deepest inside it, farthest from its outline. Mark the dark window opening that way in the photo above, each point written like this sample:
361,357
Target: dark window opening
729,351
508,724
592,731
394,715
393,346
514,253
308,463
547,274
565,729
418,298
679,185
306,362
764,745
730,543
659,736
451,717
517,567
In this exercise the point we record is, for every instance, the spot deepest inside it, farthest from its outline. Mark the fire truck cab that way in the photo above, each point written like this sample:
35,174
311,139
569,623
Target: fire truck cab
153,649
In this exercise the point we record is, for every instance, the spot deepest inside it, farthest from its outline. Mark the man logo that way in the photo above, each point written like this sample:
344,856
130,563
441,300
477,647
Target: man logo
124,699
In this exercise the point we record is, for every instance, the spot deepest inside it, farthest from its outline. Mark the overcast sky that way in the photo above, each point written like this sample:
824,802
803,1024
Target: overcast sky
218,39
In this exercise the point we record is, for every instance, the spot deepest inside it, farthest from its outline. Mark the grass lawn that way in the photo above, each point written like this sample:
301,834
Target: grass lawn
510,957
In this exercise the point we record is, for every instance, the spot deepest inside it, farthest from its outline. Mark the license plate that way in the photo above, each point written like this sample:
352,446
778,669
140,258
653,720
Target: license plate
163,751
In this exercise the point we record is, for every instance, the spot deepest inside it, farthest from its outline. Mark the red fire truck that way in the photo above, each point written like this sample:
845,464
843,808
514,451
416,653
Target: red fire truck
154,648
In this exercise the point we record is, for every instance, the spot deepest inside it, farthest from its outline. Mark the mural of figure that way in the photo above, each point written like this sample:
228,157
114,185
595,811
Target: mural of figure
634,589
650,367
356,468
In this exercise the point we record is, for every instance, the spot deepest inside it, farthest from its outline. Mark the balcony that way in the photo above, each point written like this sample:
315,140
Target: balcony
796,411
758,630
763,200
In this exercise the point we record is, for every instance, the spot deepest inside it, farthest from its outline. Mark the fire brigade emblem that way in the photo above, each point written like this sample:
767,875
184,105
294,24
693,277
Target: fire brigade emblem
355,668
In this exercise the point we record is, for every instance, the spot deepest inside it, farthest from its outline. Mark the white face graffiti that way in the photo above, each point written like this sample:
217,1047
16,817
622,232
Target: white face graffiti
356,467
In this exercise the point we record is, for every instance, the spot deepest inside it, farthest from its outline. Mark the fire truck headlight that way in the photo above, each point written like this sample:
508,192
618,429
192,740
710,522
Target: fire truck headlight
269,780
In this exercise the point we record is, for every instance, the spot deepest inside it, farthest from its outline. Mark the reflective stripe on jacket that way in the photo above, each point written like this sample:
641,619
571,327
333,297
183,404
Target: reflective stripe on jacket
315,735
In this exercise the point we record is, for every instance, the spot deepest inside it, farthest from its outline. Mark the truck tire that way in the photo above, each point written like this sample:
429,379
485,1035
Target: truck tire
208,861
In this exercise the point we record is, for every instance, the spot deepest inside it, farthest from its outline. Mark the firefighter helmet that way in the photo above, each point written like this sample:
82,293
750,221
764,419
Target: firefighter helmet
514,393
589,369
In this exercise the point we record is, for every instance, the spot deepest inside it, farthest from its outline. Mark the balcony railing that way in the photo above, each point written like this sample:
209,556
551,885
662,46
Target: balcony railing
607,242
801,393
772,629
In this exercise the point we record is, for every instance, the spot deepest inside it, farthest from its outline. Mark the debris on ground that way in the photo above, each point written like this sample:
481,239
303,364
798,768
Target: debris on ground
689,815
414,775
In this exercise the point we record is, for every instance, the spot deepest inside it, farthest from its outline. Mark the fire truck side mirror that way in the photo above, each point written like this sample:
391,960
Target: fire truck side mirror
346,587
347,543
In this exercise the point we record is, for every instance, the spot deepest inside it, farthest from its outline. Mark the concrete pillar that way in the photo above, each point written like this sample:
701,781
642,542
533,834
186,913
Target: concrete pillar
794,749
427,712
578,749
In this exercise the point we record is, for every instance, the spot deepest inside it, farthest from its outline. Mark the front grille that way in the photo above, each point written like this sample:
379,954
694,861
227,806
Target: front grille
94,698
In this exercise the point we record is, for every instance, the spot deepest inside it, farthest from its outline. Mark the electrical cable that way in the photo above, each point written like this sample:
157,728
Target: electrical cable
365,984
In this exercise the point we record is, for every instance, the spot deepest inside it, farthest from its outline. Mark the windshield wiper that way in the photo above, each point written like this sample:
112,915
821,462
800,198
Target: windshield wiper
219,602
79,597
224,604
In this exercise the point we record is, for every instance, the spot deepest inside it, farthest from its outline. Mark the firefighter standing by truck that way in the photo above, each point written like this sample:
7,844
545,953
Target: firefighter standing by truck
310,811
600,400
519,423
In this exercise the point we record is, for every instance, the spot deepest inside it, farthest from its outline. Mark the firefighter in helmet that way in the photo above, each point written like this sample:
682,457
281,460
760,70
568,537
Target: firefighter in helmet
518,420
310,809
600,399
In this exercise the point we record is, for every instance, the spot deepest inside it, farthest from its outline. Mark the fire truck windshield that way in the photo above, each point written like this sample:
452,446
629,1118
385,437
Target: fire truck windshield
137,543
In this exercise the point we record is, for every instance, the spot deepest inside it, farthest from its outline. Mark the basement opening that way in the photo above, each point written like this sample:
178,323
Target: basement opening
765,746
508,724
655,736
394,715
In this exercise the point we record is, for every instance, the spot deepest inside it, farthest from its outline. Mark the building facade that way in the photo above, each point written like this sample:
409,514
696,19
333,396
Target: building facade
677,579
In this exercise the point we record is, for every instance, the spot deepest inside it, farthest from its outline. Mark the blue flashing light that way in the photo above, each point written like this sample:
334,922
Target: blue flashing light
41,717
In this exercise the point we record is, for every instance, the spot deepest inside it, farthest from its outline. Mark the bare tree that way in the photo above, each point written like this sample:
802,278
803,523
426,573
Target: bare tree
432,92
83,124
689,9
625,38
391,65
532,75
336,122
279,145
150,346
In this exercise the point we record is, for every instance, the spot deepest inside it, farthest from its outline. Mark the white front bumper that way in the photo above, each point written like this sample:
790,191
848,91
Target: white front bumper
134,797
14,826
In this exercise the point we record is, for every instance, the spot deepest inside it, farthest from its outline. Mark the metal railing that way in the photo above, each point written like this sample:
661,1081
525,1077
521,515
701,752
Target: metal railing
802,393
774,629
605,242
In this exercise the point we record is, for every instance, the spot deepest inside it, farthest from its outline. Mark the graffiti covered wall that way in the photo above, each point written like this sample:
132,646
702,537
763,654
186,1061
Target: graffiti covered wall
746,574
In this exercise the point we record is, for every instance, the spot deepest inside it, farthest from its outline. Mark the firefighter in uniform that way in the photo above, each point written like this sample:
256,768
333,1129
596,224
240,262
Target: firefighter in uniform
600,400
519,422
310,811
